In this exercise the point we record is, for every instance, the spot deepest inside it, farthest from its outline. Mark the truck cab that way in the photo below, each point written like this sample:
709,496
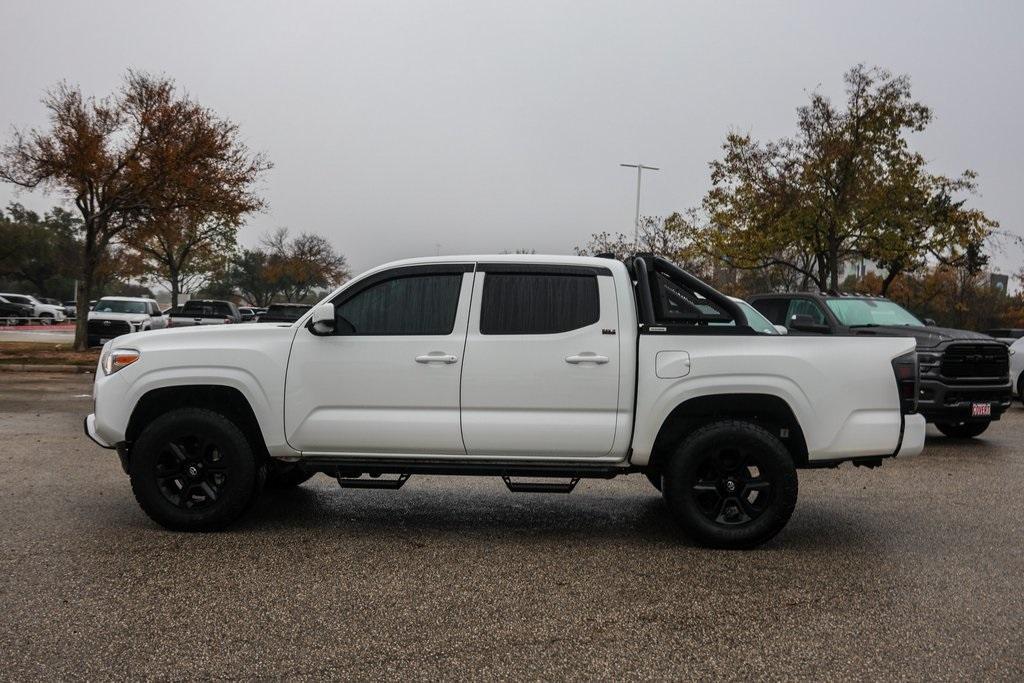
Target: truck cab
517,366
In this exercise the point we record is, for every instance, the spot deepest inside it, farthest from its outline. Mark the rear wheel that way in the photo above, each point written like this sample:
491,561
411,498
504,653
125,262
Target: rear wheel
962,430
192,469
731,484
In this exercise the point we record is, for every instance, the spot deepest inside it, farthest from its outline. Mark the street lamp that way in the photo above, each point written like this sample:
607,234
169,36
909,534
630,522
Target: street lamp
640,168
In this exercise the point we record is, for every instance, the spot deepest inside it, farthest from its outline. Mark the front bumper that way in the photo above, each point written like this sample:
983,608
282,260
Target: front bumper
941,402
90,431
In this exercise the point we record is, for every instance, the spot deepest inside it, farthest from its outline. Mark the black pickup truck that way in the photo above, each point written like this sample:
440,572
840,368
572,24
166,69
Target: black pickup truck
965,376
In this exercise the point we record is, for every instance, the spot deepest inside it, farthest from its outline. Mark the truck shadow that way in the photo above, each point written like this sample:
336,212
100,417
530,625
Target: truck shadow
443,515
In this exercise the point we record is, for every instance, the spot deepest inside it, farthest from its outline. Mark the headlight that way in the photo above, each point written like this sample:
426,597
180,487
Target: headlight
113,361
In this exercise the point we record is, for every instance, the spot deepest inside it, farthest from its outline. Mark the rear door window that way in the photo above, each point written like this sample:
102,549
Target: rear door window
538,303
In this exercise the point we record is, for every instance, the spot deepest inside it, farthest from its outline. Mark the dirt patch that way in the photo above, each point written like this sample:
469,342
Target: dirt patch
46,353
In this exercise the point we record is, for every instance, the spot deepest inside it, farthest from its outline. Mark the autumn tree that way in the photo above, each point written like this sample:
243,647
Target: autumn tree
299,265
144,150
183,251
658,236
847,184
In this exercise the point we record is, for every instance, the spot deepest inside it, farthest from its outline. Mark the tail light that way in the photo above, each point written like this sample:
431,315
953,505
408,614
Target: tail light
905,369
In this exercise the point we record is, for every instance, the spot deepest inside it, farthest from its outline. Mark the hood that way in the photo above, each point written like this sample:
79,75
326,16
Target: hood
129,317
927,337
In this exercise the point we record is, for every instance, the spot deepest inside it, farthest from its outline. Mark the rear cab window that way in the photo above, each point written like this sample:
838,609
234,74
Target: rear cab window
538,302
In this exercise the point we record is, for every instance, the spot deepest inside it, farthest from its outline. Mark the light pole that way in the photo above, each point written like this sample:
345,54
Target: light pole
640,168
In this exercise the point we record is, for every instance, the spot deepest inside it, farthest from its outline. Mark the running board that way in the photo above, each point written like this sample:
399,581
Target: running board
540,486
372,482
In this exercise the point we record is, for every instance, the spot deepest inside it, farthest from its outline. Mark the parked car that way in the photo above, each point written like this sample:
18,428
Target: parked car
15,314
248,314
70,309
1017,367
113,316
46,313
513,366
283,313
965,380
204,312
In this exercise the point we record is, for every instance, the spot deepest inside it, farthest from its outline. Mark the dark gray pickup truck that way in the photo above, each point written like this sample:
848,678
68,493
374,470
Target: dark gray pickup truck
965,376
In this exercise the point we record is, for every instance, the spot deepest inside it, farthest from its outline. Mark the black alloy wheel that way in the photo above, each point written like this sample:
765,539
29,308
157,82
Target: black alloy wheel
192,469
191,472
731,484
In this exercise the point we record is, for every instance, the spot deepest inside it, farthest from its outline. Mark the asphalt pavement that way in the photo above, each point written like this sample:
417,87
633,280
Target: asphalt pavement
910,571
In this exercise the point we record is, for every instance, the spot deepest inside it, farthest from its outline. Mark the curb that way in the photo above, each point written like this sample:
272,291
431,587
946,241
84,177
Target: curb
15,367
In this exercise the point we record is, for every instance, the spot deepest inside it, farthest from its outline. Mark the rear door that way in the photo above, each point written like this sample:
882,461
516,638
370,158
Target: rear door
541,373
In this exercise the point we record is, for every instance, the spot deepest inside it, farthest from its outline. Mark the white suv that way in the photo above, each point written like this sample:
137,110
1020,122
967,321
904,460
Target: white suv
46,313
113,316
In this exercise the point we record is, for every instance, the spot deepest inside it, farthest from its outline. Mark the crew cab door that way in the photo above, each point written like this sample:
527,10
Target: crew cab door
541,374
388,381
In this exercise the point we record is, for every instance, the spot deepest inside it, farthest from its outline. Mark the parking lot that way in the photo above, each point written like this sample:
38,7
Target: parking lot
913,570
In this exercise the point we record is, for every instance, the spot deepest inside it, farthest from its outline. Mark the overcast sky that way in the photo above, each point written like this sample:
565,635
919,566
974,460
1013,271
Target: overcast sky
478,126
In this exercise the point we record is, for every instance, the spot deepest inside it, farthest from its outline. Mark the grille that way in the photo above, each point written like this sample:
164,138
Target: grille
977,361
100,328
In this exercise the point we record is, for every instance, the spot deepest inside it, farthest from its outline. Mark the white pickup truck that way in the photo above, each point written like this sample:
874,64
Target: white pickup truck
538,369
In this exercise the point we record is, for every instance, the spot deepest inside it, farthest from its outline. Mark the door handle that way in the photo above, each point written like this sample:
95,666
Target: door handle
587,357
437,357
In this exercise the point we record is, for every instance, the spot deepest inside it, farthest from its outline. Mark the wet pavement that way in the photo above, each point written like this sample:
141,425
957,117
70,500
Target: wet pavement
913,570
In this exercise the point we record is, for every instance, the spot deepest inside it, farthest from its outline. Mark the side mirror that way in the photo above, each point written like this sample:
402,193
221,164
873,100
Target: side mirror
322,322
805,323
929,322
781,329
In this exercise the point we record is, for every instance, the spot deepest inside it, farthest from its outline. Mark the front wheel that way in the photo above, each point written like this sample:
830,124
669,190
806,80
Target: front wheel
962,430
731,484
192,469
46,318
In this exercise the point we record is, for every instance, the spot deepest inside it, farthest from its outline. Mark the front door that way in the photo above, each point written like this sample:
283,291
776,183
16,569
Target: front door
388,381
541,373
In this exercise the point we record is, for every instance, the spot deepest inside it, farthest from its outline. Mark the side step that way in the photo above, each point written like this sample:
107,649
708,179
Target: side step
540,486
372,482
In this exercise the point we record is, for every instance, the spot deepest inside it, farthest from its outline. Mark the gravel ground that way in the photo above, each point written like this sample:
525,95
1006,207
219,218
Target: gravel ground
913,570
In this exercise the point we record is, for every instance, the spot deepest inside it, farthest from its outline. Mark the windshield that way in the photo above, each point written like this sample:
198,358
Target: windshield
870,313
113,306
755,320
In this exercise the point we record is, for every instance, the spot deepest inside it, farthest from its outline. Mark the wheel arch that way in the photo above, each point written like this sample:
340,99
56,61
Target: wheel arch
767,411
226,400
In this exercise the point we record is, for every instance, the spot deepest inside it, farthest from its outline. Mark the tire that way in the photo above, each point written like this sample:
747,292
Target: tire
46,318
654,476
962,430
711,465
193,469
281,477
1020,387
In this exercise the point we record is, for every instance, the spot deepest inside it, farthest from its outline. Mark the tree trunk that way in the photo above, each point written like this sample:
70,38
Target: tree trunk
890,277
175,287
82,308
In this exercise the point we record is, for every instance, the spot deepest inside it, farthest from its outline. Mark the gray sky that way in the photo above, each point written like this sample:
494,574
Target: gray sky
486,126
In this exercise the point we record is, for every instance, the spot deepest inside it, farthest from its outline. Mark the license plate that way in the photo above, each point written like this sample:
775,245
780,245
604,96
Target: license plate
981,410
